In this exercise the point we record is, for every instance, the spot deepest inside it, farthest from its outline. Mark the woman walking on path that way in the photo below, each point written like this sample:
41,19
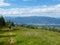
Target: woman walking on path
9,25
12,41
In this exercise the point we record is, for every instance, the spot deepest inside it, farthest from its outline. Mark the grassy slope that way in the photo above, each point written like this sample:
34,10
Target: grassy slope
25,36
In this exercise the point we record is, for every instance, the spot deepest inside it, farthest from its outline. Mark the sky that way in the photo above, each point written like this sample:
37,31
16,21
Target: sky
50,8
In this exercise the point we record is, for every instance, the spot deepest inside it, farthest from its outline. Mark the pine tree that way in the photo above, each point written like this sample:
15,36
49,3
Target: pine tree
2,21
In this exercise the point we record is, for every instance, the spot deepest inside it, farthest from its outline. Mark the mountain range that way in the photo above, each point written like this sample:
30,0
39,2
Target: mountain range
33,20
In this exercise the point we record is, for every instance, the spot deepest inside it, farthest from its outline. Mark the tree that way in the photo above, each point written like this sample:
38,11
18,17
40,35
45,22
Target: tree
2,21
54,28
11,22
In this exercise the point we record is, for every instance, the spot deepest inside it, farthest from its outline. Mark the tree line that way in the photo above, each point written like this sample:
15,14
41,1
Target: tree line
4,23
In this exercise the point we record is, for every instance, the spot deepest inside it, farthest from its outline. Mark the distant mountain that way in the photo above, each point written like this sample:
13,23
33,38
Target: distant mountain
33,20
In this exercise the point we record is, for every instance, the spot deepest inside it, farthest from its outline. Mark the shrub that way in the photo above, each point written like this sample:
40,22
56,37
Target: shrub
44,28
32,27
54,29
29,26
23,25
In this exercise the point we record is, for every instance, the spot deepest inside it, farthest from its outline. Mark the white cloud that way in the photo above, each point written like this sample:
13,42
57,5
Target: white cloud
2,3
30,0
51,11
56,0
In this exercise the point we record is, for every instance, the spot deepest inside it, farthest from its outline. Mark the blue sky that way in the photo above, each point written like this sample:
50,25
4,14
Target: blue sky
50,8
29,3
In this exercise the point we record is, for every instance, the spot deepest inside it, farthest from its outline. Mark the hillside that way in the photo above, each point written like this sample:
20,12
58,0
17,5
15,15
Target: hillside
26,36
33,20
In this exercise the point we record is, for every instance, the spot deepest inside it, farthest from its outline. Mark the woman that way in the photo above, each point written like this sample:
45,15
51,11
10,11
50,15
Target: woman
9,25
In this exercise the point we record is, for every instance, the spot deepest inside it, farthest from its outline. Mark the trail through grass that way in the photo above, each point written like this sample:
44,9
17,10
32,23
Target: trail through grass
26,36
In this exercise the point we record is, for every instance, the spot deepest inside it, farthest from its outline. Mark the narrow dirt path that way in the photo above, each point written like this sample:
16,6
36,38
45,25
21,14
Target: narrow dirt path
12,40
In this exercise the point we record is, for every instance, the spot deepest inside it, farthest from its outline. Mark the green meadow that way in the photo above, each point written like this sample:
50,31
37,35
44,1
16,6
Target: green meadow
27,36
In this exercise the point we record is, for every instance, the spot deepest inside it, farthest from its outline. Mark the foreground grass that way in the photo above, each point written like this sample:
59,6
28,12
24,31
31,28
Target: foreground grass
25,36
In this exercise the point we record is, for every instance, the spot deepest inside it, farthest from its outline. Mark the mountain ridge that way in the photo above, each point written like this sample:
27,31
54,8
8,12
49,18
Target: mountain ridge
33,20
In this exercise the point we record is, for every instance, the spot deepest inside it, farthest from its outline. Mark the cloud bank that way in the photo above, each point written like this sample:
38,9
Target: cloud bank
29,0
51,11
2,3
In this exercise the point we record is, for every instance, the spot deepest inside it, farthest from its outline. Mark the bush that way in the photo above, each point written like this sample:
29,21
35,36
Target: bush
44,28
23,25
29,26
32,27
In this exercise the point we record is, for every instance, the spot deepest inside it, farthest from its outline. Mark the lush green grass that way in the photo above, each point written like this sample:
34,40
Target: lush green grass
25,36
